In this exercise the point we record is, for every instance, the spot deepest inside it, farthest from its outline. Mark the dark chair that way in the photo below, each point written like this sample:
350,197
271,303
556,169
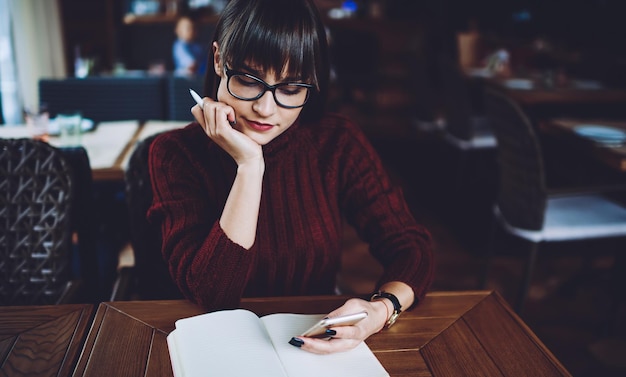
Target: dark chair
179,101
467,129
469,147
1,116
149,278
525,209
85,264
355,59
42,191
106,98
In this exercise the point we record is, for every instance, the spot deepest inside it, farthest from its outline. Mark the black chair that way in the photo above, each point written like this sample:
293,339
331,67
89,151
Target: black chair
526,210
355,59
1,116
467,128
84,225
468,144
179,101
106,98
149,278
42,190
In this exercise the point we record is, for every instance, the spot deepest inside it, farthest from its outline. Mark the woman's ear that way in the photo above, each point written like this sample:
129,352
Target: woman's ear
217,61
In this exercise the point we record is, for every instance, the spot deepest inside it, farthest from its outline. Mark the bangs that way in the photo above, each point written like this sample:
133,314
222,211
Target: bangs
273,39
274,36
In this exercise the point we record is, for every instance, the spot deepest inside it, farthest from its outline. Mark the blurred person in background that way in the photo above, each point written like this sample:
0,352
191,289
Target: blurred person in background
189,56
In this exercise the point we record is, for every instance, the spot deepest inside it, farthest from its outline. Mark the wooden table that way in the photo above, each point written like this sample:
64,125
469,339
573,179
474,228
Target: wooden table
530,91
575,97
561,95
147,129
42,340
613,157
108,146
449,334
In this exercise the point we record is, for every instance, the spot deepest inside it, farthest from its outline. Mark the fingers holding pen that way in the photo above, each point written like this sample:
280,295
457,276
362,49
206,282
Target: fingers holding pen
219,117
199,111
219,122
215,117
198,114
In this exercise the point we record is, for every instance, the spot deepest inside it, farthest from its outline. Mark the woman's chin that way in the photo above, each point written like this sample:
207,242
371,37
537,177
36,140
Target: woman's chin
260,138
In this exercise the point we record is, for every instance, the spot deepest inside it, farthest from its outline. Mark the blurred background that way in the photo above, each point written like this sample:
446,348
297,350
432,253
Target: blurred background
403,70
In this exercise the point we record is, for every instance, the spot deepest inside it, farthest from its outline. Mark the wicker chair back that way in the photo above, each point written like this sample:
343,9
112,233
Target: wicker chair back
35,222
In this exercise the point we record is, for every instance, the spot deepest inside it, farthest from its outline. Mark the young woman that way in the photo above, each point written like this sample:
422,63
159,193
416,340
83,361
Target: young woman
251,197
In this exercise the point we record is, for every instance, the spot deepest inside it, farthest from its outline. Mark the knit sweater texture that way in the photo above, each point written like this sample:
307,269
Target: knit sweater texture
316,175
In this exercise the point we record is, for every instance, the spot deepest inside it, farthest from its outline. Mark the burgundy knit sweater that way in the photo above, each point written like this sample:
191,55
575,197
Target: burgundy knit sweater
315,176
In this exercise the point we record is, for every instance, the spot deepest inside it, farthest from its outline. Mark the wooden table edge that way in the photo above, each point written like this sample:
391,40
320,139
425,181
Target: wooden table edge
90,340
77,342
531,334
104,307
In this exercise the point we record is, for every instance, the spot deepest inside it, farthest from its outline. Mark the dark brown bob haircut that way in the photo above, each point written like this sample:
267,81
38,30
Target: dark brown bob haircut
274,34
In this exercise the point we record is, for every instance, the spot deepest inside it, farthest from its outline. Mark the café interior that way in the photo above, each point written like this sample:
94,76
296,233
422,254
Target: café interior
504,123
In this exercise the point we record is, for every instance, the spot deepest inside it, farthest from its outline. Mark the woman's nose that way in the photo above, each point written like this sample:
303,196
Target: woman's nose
266,105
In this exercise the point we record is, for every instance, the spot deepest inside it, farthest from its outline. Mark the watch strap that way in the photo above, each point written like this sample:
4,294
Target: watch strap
394,300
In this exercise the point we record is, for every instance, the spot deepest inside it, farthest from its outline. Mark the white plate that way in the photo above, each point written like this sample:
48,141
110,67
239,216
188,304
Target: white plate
601,134
524,84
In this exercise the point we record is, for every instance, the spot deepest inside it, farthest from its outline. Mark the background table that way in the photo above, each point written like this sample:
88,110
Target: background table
569,99
613,157
148,129
562,96
108,146
449,334
530,89
42,340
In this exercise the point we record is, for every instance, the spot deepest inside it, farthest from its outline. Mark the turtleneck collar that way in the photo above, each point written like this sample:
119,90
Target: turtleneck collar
282,142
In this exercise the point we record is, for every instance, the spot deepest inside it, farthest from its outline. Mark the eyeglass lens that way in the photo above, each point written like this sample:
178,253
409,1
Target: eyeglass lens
248,88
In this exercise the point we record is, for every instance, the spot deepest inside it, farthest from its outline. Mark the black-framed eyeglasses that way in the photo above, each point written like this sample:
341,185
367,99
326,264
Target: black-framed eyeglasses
247,87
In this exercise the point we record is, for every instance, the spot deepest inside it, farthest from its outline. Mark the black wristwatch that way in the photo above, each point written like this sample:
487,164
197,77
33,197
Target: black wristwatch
396,306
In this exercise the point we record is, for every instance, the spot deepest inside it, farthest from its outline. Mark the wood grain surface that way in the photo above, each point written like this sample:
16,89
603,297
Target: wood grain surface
448,334
42,340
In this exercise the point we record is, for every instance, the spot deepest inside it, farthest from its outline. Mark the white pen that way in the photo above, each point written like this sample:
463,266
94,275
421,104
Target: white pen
200,103
196,97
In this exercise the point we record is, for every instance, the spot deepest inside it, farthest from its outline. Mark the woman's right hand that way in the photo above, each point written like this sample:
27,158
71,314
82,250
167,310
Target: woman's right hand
241,211
215,118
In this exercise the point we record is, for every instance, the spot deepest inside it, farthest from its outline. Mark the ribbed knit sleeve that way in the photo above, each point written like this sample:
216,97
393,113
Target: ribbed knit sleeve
207,266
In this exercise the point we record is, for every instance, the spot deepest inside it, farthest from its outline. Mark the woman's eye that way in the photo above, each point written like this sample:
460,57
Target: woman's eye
247,81
291,90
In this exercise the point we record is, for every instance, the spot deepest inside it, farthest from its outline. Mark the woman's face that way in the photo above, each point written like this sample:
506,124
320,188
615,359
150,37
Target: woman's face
262,119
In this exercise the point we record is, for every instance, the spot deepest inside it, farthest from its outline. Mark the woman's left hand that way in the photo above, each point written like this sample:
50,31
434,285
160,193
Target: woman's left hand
348,337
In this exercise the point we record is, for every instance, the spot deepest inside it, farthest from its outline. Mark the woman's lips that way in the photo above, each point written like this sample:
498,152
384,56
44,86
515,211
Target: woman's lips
260,126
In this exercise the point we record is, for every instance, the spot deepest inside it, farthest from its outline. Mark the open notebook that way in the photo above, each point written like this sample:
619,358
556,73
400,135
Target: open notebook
239,343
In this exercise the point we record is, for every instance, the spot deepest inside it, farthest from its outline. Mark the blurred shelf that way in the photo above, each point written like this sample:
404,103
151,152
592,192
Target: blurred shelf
131,18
